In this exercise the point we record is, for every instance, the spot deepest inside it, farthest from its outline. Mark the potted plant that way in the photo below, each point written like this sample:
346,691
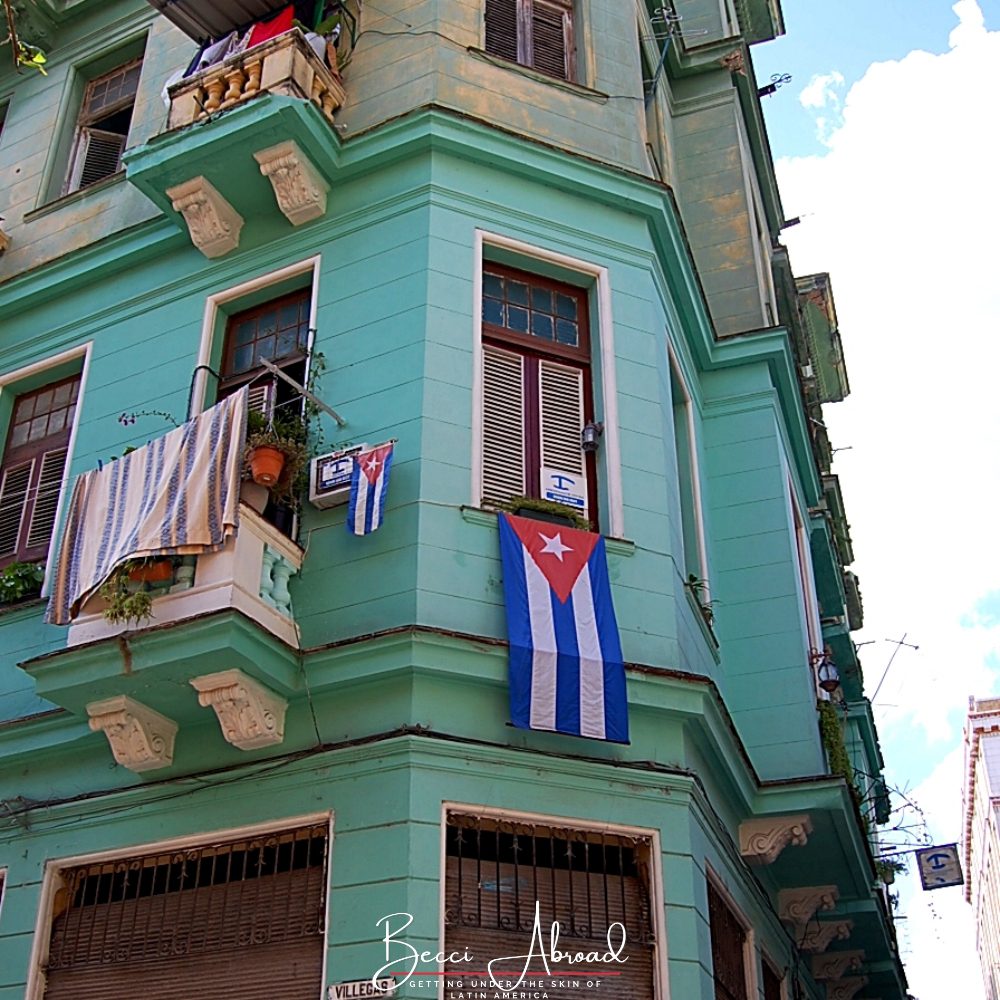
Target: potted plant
126,600
19,581
699,589
276,454
545,510
888,868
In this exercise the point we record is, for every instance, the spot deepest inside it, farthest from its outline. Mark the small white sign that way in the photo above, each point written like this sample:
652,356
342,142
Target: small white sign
561,487
939,866
362,988
335,472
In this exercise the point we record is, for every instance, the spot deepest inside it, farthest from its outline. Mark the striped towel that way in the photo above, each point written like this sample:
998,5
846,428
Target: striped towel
177,496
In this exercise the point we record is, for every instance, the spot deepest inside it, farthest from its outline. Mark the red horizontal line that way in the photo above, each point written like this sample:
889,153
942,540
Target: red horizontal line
519,972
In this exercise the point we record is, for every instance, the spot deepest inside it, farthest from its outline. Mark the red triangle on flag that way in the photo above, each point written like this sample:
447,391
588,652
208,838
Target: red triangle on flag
560,553
371,462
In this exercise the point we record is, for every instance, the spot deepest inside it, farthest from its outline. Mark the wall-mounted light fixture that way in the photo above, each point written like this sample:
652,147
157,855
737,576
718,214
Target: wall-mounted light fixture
827,674
590,436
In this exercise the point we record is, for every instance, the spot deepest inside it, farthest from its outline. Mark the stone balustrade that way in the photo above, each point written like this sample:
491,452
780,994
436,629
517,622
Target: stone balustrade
283,65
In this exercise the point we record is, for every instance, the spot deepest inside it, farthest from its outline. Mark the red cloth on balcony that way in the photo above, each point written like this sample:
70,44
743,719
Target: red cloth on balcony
263,31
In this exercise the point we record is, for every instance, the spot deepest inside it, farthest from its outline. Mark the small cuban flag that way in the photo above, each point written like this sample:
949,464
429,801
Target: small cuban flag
567,673
369,485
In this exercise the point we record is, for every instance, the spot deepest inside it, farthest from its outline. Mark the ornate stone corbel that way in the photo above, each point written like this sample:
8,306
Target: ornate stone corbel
298,187
4,241
836,964
817,937
798,906
762,840
140,738
844,989
250,715
213,223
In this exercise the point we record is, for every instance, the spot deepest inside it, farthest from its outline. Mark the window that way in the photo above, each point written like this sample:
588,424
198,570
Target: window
33,464
496,870
535,33
102,126
772,982
240,919
729,940
687,477
537,393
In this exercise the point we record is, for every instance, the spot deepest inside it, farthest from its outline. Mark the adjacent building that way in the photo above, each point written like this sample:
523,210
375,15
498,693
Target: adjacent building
536,245
980,838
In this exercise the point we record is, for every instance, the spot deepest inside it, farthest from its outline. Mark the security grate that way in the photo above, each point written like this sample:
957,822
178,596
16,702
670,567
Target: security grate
728,948
218,898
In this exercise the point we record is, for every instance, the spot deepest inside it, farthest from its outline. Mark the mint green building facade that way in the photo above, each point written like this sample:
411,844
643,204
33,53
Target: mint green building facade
384,196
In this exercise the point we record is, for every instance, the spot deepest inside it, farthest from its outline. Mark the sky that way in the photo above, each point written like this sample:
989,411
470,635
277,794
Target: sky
886,143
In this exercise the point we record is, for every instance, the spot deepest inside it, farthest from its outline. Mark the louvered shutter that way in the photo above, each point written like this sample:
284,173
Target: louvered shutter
43,513
560,418
13,499
501,28
99,155
260,398
551,39
503,425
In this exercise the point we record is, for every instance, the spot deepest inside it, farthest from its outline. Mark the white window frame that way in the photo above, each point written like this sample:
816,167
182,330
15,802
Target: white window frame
695,471
35,988
9,383
661,984
606,410
750,945
214,306
798,525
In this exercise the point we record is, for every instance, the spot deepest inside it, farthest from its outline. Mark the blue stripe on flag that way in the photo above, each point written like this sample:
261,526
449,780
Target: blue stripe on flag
567,668
615,694
515,589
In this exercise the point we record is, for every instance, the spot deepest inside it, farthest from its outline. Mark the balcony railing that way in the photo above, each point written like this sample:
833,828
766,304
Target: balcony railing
284,65
249,575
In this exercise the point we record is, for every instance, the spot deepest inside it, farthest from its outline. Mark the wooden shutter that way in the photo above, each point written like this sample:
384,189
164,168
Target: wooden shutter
503,425
13,500
501,28
98,155
728,948
47,489
551,39
260,398
560,418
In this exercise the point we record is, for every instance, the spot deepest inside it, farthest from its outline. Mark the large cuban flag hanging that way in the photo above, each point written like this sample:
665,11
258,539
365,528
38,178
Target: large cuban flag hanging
369,485
567,673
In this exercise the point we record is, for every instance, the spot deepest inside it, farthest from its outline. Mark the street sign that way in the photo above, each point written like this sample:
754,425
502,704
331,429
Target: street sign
362,988
939,866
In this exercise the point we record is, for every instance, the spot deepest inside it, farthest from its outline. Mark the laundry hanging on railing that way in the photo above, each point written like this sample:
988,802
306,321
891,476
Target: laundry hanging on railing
179,495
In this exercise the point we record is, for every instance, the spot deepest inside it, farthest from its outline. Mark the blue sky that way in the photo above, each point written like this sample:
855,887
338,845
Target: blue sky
846,37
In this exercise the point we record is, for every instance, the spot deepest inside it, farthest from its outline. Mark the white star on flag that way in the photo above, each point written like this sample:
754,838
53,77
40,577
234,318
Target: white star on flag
554,546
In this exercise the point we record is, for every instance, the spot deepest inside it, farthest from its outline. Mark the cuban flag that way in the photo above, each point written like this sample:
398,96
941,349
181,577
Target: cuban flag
369,485
567,673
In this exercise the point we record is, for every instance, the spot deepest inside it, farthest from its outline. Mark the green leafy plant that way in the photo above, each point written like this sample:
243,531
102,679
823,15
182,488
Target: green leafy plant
126,600
833,741
20,580
556,510
699,589
888,868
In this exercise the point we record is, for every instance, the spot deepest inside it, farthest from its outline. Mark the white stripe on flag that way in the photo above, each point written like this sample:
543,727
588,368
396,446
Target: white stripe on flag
591,660
543,640
377,502
361,503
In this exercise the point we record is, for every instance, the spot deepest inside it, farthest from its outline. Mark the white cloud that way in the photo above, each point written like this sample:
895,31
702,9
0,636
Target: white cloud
903,210
822,93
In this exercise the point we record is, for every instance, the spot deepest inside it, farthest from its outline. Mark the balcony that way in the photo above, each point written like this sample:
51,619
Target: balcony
249,140
249,575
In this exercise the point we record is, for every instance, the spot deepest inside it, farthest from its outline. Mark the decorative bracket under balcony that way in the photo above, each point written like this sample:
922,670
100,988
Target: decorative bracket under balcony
844,989
798,906
4,241
762,840
298,187
213,223
819,935
837,964
251,716
140,738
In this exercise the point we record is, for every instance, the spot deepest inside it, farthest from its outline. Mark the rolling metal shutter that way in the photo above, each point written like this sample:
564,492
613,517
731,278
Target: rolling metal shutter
494,873
237,920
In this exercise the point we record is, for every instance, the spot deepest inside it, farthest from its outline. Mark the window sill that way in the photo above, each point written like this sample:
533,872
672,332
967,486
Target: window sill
487,518
74,196
706,630
598,96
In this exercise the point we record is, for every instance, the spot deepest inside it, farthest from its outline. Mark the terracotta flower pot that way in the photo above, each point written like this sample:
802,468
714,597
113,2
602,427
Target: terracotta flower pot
152,572
266,464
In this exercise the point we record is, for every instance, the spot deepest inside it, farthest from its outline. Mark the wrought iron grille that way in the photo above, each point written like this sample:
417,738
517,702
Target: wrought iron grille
728,948
223,897
498,869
